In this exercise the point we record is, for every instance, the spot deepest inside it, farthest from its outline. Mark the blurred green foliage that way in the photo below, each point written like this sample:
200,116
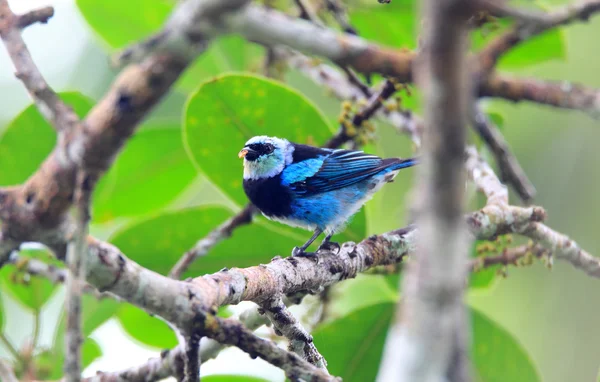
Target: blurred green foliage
150,207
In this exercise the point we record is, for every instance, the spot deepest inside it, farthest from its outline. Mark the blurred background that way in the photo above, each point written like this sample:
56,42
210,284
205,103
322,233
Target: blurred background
551,313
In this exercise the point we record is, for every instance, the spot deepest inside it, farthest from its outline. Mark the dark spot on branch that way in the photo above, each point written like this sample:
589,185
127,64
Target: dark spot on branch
224,269
29,198
368,260
164,353
124,103
195,37
352,253
293,261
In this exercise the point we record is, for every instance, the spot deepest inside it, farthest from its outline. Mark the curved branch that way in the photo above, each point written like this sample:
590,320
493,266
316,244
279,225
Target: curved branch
531,24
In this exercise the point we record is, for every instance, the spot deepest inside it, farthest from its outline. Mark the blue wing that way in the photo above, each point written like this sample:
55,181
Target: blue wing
339,169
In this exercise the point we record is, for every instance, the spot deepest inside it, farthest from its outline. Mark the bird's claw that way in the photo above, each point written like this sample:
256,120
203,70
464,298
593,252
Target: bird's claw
299,252
329,246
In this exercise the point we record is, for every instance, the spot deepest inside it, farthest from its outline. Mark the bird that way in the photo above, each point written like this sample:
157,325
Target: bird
318,189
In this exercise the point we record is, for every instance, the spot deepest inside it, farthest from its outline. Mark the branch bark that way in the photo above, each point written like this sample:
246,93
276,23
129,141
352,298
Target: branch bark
76,262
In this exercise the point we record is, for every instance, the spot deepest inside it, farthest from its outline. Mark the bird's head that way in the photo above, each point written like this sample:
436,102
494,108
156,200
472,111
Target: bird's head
265,157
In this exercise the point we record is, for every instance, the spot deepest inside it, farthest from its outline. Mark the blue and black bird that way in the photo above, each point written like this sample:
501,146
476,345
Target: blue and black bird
313,188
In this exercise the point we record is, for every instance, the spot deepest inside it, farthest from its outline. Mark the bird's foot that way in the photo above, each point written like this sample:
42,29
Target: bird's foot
299,252
329,246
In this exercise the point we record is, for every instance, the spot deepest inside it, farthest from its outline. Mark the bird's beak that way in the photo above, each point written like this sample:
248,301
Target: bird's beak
242,153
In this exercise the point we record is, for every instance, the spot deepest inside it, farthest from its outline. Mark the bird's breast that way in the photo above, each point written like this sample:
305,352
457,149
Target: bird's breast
271,198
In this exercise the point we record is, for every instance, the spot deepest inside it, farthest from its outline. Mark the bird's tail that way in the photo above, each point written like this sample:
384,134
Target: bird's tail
403,163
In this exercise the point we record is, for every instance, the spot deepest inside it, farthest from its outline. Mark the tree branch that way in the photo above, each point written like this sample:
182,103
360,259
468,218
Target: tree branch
301,342
497,212
374,104
6,372
530,24
60,115
559,94
192,362
76,262
204,245
41,15
510,170
509,256
332,80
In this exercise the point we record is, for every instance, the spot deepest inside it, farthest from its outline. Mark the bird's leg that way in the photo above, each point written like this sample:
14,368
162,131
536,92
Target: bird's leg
328,245
301,252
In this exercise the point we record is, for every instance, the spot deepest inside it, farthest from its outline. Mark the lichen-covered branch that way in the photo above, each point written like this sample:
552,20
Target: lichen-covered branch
301,342
499,217
170,362
59,114
510,169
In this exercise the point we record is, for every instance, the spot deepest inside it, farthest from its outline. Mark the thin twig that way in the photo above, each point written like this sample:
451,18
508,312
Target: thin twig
59,114
510,169
332,80
41,15
9,346
508,256
365,113
76,262
204,245
301,342
340,15
531,24
6,372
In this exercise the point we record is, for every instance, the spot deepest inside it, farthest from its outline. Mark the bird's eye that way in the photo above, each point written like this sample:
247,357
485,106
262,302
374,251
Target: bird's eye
269,148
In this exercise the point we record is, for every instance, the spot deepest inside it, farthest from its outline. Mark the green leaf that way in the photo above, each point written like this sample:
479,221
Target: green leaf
232,378
225,112
50,362
392,25
497,118
497,355
94,313
157,243
361,292
143,327
122,23
352,345
90,352
150,172
33,292
29,139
